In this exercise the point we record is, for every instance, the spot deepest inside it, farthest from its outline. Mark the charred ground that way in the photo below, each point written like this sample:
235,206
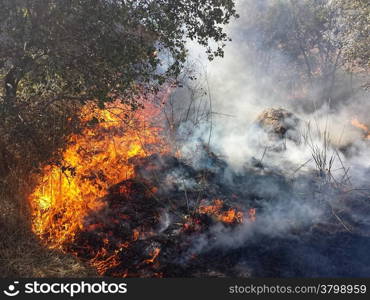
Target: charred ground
153,225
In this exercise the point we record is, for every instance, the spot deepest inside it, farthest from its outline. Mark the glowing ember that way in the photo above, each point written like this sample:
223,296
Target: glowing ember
362,126
102,201
252,214
216,209
103,261
154,254
135,235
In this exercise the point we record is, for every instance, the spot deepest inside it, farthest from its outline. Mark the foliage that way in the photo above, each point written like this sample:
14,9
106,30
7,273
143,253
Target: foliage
319,40
100,49
56,54
356,15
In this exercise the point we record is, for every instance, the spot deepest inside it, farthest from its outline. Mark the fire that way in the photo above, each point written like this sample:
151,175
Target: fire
230,216
88,203
103,261
252,214
154,254
216,209
355,122
93,161
135,235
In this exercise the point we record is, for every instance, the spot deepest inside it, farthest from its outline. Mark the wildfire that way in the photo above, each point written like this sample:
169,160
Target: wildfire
252,214
96,205
93,161
103,261
226,216
355,122
154,254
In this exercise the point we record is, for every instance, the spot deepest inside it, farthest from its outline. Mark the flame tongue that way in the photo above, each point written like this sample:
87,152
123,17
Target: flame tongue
154,254
217,210
94,160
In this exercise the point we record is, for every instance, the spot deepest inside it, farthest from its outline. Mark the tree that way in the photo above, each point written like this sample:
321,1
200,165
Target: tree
53,50
302,37
356,18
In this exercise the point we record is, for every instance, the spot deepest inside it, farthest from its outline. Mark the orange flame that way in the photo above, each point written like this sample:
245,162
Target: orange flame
252,214
135,235
103,261
355,122
229,216
94,160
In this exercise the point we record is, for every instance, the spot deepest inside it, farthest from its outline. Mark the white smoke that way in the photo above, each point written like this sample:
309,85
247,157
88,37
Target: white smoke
237,97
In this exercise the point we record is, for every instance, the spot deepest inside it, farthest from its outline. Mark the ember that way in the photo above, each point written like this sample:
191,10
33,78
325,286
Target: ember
140,157
365,129
228,216
154,255
94,160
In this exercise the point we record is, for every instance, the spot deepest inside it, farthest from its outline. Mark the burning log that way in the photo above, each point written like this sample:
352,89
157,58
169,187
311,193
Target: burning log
153,222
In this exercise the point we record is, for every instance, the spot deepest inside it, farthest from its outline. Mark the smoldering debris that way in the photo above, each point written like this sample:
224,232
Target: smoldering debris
258,222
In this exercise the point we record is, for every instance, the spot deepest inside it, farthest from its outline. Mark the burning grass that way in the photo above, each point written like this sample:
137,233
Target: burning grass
22,254
216,209
25,143
105,200
94,160
143,223
120,201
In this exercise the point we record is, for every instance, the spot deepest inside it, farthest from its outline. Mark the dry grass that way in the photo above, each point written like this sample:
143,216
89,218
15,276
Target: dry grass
22,255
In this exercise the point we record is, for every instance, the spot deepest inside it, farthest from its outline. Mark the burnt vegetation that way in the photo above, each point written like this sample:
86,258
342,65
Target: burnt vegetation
116,158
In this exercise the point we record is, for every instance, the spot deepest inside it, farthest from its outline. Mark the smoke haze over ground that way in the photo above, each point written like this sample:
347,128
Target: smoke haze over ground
295,192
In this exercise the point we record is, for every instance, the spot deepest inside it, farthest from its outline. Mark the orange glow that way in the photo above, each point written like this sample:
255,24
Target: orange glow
154,254
355,122
103,261
135,235
252,214
94,160
229,216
